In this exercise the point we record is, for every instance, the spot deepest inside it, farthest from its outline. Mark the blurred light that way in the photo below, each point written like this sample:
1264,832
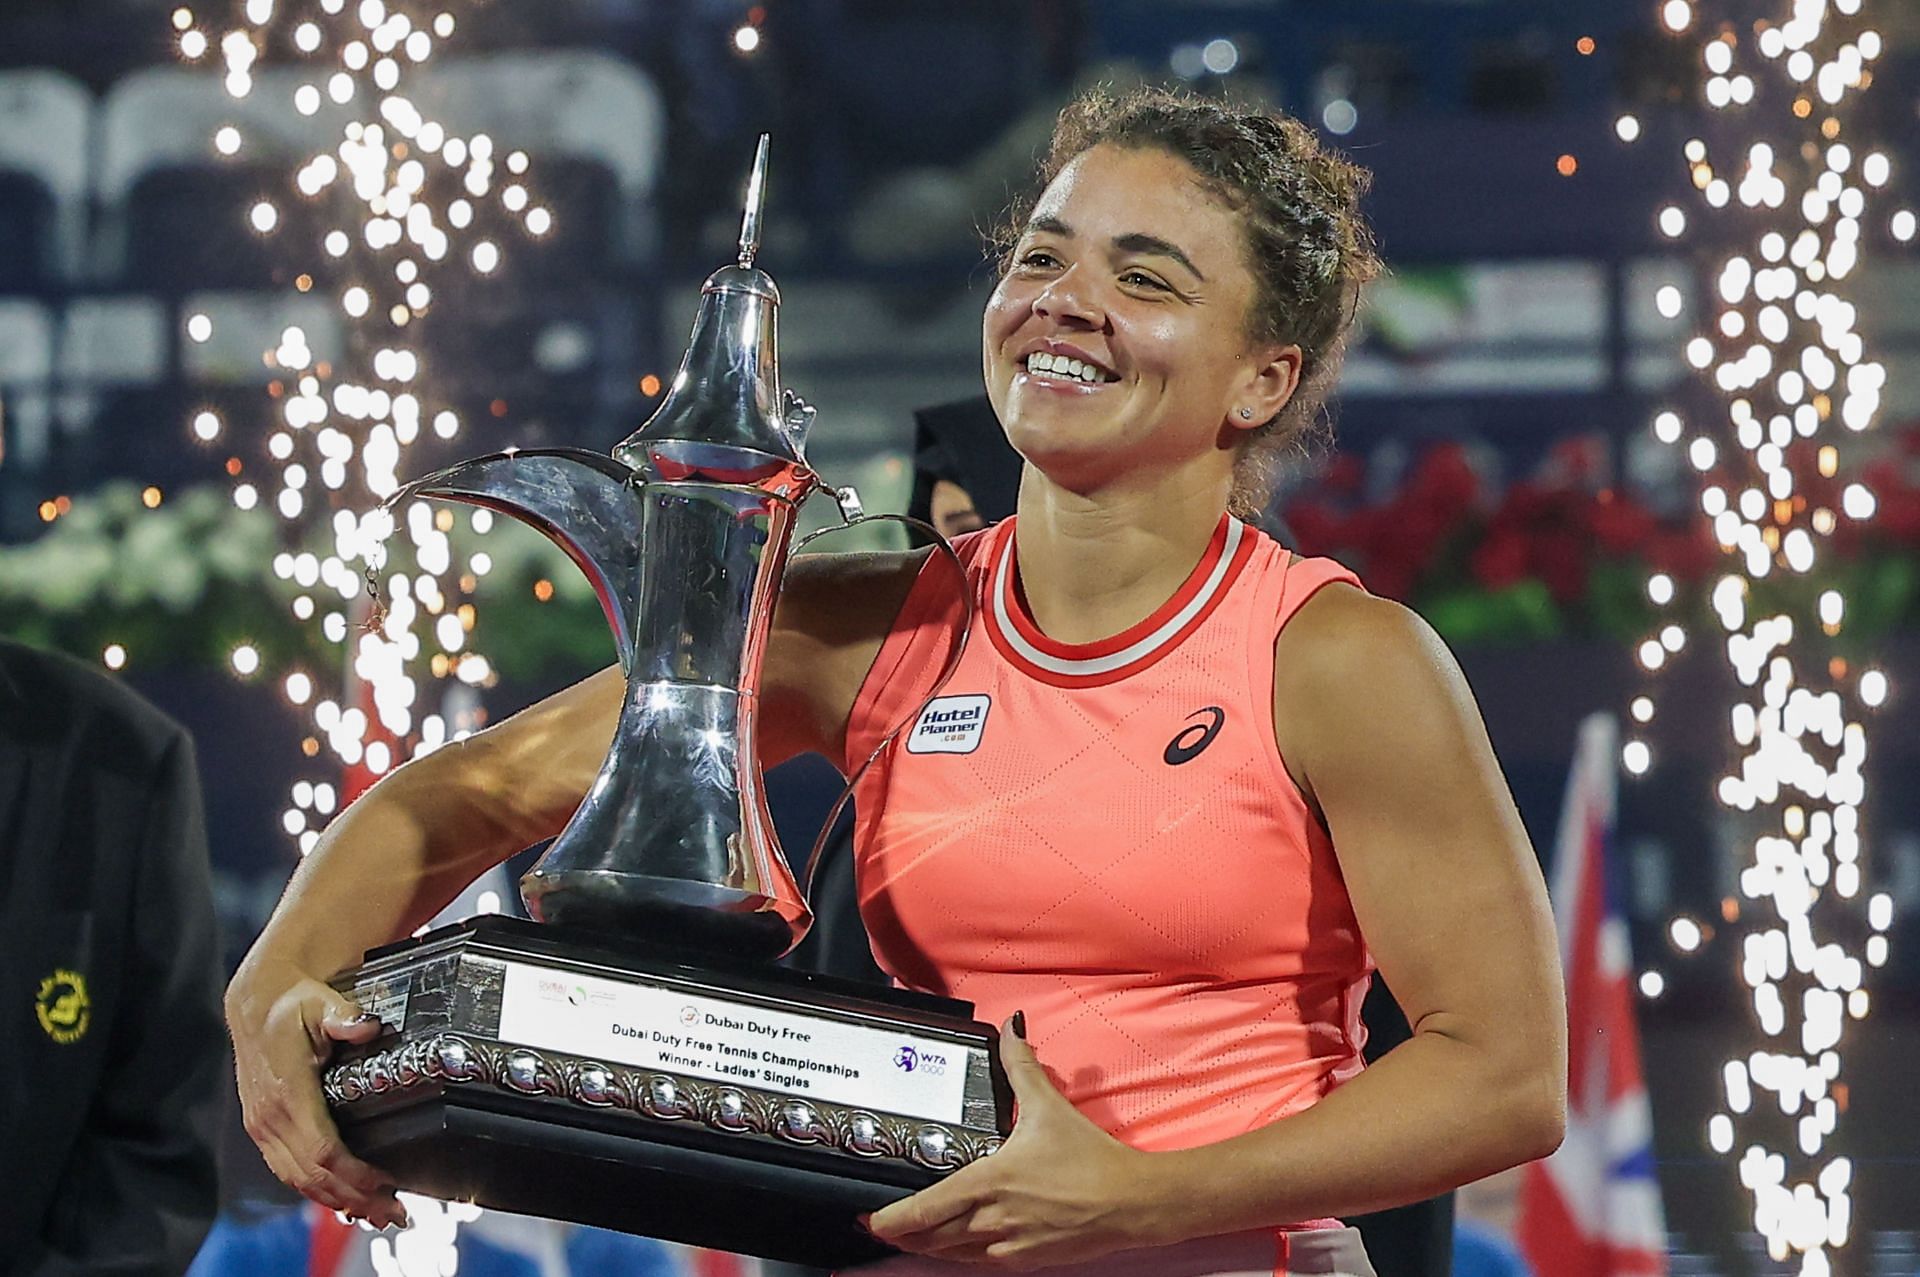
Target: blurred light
264,217
746,39
1676,14
1340,116
199,327
227,140
246,660
1627,128
1220,56
1652,984
1880,911
1685,934
114,657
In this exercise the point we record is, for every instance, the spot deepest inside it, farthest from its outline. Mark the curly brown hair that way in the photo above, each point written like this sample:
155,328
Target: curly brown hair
1307,244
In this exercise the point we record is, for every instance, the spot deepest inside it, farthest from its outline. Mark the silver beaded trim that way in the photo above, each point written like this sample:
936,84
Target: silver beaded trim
648,1094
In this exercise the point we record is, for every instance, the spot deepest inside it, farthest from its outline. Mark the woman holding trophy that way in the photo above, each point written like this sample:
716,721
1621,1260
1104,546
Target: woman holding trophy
1171,809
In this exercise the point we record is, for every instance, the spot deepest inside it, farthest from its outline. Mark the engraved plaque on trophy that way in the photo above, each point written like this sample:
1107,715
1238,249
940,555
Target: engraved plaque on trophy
633,1059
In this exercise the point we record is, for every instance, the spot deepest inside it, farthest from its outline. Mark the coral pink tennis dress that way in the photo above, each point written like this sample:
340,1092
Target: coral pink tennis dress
1104,836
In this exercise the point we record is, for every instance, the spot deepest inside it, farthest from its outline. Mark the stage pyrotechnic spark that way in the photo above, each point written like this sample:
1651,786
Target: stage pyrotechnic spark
413,204
403,187
1788,391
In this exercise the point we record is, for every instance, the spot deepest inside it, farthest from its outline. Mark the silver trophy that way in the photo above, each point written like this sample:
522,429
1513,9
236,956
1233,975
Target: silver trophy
633,1059
685,535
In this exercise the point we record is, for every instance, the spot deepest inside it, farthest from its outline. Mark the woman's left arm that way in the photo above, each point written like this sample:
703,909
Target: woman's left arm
1380,723
1449,897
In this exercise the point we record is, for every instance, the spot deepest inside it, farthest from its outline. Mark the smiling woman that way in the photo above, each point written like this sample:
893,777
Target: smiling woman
1191,946
1187,794
1276,203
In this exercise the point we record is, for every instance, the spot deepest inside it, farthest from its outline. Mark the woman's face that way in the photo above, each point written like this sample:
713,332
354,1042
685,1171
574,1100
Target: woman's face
1117,340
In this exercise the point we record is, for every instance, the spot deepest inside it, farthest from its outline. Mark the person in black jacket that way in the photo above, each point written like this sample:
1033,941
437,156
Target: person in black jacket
112,1059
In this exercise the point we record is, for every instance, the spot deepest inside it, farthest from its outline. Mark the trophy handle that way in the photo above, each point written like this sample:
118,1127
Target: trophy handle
850,512
579,500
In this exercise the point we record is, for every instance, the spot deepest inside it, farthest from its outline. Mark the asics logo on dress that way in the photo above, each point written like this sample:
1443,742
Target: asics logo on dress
1186,746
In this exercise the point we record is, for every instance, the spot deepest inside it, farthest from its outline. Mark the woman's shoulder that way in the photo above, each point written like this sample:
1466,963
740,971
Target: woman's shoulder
1352,669
838,597
850,595
1342,634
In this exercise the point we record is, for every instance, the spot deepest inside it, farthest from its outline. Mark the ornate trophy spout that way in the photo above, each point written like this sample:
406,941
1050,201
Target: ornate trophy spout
685,534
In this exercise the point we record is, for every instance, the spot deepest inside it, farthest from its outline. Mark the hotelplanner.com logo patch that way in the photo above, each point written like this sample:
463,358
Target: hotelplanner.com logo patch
950,725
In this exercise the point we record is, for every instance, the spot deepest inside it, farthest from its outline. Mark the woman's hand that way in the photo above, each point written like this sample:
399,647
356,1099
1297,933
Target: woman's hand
1060,1189
284,1025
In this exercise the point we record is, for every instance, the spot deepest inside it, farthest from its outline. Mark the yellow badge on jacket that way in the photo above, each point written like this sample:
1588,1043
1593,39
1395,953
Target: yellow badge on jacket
63,1006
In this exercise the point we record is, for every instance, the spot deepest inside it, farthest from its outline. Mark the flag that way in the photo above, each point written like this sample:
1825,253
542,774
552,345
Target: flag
1593,1208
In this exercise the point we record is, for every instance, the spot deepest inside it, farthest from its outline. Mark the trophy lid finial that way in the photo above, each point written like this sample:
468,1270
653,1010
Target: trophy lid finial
756,199
727,394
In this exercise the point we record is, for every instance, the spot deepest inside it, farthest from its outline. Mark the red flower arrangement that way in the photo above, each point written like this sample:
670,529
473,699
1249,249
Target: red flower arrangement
1560,552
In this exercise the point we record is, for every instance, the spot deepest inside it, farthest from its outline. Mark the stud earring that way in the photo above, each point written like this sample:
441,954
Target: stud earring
1246,414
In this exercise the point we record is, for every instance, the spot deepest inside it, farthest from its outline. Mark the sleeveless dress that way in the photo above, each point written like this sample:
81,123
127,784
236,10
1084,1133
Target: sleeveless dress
1104,836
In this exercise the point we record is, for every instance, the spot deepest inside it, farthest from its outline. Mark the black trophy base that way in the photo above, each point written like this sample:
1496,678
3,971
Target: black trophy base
509,1155
513,1075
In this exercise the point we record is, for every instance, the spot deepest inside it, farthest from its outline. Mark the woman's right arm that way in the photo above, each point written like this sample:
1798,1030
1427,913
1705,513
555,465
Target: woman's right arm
384,867
396,856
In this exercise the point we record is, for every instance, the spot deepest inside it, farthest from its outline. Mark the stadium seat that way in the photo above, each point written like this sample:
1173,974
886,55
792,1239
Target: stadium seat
173,212
44,119
245,325
105,344
592,126
186,227
27,216
26,373
145,434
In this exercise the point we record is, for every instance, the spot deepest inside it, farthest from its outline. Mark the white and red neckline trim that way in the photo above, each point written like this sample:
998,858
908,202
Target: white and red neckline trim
1108,660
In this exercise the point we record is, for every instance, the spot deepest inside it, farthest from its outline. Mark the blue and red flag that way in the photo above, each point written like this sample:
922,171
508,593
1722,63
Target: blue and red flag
1593,1208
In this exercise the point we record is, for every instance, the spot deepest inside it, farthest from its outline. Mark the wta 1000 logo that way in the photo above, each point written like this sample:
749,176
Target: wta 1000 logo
913,1059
